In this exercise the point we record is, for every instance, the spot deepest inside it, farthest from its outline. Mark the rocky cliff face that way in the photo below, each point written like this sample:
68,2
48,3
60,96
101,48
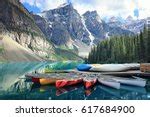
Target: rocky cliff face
63,24
100,29
94,24
134,25
18,23
53,30
130,24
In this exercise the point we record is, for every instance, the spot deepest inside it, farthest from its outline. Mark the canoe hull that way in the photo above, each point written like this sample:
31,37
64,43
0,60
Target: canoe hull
67,82
83,67
89,83
110,83
113,67
133,82
44,81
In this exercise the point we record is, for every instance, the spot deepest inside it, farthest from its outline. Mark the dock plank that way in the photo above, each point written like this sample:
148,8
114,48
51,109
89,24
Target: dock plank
129,74
75,73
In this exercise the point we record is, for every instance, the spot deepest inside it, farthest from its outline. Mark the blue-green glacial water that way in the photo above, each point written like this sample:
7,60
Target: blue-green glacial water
13,86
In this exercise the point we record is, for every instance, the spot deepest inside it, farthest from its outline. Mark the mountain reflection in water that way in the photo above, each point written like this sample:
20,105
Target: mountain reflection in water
14,88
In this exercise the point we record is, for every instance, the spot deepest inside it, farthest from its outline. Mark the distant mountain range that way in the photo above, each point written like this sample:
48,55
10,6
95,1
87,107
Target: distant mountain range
60,30
129,23
64,24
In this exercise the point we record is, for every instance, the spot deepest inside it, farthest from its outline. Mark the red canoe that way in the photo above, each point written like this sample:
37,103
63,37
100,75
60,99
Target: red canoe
89,83
44,81
68,82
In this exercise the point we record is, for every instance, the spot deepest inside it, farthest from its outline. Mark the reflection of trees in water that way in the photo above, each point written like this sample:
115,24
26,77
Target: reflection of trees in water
49,92
103,92
11,72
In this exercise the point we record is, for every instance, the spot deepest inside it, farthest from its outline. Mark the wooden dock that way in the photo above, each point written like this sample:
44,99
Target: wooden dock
75,73
145,67
129,74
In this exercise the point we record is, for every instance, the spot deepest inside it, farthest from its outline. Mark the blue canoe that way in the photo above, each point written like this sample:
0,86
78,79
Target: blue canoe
84,67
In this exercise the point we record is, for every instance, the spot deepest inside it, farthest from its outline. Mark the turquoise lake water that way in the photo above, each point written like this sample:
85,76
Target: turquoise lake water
13,86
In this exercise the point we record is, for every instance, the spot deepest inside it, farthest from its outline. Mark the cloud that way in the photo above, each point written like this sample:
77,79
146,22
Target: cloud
109,8
44,4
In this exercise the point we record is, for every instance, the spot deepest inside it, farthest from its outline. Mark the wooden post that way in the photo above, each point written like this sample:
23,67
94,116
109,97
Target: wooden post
145,67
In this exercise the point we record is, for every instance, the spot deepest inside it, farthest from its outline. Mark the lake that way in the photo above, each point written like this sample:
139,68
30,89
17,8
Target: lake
13,85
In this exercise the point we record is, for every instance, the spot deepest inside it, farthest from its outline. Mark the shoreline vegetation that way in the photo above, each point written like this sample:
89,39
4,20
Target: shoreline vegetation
124,49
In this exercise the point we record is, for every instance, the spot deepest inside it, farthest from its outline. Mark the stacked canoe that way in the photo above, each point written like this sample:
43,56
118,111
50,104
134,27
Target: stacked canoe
108,67
61,80
89,83
110,83
121,70
135,81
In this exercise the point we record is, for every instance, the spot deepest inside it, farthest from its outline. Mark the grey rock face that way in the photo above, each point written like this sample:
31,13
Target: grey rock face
19,24
37,44
135,25
65,23
130,24
94,24
101,30
60,34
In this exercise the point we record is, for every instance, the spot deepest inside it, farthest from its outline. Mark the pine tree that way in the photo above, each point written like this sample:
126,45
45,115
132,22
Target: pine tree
148,44
122,49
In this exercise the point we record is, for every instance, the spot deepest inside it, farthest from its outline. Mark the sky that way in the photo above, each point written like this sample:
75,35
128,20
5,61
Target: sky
105,8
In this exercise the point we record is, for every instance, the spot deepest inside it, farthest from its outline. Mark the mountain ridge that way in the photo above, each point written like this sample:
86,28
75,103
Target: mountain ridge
62,29
17,23
64,25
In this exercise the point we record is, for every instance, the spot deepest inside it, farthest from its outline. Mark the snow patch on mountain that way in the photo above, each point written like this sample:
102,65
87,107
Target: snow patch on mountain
90,35
63,5
107,35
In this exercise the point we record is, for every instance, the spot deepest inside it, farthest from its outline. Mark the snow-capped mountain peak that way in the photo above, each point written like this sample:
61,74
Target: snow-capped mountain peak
65,5
129,18
113,19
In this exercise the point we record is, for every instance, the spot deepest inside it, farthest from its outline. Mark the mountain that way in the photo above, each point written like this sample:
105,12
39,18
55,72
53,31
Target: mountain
113,19
18,24
102,30
56,34
94,24
134,25
64,27
129,19
131,24
114,22
65,24
15,52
